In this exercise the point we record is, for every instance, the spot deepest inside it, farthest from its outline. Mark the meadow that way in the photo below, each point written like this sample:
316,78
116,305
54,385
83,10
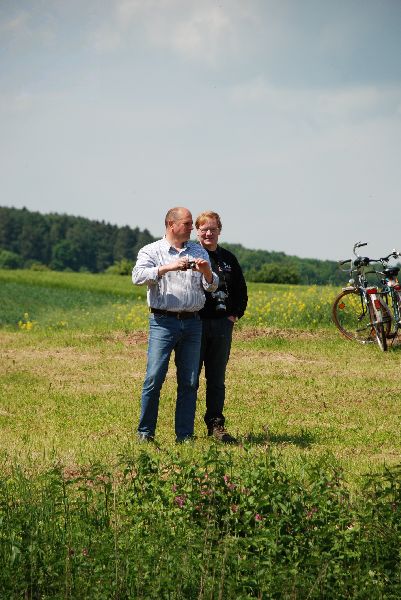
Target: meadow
307,505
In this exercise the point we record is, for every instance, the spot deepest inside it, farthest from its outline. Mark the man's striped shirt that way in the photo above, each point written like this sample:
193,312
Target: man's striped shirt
175,290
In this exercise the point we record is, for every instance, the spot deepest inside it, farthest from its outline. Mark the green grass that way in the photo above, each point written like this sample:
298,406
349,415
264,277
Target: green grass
71,383
87,512
52,300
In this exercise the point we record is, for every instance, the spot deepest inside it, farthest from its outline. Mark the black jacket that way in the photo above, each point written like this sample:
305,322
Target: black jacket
231,281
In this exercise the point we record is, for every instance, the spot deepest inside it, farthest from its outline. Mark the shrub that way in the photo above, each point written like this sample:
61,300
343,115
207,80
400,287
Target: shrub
37,266
10,260
121,267
275,273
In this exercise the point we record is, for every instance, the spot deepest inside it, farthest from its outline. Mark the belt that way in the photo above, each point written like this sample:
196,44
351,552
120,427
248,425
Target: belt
177,315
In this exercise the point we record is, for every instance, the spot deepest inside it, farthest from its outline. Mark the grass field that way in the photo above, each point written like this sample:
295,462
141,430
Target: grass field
318,424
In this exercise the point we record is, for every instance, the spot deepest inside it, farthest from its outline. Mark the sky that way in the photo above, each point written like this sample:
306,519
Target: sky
284,116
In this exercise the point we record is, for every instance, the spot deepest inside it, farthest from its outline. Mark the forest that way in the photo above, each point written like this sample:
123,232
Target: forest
60,242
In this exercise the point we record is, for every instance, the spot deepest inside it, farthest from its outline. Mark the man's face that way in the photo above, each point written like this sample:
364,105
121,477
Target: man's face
208,234
183,226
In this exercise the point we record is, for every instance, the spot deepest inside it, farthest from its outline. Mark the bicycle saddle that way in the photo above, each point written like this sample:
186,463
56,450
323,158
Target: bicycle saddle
391,271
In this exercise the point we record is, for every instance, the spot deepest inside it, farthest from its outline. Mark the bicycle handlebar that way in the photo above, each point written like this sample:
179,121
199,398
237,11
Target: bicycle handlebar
393,254
358,245
364,261
360,261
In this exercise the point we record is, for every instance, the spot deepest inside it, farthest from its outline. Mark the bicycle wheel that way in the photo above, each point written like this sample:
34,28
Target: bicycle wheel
381,337
397,301
379,331
351,317
393,303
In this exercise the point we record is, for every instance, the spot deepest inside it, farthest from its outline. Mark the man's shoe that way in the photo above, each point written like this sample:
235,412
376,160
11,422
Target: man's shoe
220,433
189,439
145,437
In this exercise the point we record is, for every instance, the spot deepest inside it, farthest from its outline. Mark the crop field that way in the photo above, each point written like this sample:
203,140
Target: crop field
307,505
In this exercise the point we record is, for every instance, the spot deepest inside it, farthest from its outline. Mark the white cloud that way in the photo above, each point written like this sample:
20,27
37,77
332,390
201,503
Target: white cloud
322,106
127,10
202,31
201,35
105,40
15,104
18,24
21,29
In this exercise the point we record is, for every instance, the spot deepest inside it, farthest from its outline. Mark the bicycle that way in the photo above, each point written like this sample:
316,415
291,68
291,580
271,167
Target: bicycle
358,311
391,292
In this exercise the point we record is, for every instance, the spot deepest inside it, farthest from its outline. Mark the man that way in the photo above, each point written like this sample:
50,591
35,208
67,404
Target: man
222,309
177,272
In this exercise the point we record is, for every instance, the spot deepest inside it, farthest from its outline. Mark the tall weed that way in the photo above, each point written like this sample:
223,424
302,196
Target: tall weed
164,526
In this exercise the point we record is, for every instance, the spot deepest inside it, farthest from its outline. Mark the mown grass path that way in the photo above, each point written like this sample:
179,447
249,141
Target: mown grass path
76,396
73,352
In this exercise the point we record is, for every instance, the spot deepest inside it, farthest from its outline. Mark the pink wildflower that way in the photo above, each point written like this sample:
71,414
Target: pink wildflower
231,486
180,500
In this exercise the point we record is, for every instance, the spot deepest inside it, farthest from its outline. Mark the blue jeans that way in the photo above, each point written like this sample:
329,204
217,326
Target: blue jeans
184,337
214,354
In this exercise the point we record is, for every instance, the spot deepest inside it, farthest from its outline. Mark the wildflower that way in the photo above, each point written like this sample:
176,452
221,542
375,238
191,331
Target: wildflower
180,500
234,508
26,324
258,517
311,512
229,484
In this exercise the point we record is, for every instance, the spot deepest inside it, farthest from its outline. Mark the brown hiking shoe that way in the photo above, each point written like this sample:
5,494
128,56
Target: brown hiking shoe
220,433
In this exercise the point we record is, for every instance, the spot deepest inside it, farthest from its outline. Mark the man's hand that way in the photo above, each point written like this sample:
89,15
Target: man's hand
177,265
203,266
182,264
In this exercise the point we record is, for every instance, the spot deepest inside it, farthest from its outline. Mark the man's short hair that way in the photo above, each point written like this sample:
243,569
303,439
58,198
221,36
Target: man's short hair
173,214
205,216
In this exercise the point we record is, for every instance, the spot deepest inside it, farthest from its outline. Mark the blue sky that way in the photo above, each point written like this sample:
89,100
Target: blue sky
283,116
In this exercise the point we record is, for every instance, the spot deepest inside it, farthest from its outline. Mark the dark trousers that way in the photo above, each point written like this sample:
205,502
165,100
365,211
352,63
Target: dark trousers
214,355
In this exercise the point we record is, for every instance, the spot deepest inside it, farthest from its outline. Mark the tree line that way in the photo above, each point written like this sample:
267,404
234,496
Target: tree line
278,267
62,242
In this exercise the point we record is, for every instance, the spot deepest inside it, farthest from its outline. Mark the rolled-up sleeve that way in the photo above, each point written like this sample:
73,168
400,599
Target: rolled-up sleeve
145,272
210,287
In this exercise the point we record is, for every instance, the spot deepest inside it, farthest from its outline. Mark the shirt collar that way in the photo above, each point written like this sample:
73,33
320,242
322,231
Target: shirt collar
168,246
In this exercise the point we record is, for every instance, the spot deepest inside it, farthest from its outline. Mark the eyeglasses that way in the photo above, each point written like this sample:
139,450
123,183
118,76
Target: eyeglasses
211,229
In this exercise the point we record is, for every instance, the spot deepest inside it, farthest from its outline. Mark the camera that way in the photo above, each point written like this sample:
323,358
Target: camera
191,264
220,298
